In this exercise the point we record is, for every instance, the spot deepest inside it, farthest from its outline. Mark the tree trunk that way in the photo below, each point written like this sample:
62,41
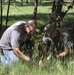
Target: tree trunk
1,15
7,12
21,2
56,12
26,1
35,9
14,2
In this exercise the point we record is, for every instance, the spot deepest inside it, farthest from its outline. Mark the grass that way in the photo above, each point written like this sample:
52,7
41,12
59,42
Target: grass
58,68
25,12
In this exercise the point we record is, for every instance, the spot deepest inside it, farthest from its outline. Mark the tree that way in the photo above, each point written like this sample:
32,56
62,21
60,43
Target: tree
35,9
21,2
57,14
1,15
7,12
14,2
26,1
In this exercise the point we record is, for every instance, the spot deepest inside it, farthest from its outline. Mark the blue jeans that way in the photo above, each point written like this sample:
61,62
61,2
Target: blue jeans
8,57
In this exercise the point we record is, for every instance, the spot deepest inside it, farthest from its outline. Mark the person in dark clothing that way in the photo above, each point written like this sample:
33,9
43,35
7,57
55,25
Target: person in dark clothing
60,38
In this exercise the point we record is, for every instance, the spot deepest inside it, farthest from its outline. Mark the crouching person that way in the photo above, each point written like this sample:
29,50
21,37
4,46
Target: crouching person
61,38
11,41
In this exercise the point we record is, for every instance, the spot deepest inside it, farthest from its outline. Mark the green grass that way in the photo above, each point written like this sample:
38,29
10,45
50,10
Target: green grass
25,12
55,68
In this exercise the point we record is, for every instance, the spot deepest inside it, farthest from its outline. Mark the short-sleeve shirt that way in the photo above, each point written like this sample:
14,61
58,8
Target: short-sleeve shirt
63,40
13,36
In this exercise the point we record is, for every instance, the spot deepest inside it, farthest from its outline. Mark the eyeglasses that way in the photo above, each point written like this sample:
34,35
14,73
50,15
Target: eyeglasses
32,28
30,24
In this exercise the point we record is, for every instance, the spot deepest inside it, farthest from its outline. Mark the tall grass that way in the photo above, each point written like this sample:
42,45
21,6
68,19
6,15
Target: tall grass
56,67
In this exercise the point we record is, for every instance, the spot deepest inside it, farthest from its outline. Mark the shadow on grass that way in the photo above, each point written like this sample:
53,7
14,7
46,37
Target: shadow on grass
40,17
42,20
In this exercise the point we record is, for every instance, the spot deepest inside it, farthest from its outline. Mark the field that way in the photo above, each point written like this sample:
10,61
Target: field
25,12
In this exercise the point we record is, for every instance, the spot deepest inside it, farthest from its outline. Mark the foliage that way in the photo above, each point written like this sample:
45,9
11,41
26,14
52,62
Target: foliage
53,66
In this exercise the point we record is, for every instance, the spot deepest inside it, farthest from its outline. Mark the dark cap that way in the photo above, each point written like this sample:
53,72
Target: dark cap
49,28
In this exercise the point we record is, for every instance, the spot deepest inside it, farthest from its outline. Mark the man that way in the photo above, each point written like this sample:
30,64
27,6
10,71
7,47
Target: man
11,41
59,38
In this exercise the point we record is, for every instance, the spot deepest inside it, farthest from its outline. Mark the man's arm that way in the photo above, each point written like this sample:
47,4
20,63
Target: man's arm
19,54
64,53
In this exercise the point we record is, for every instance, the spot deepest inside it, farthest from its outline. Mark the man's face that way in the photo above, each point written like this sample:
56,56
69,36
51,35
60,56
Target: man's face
31,28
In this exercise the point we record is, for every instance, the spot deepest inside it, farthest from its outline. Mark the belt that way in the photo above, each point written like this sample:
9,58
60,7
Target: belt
8,49
1,50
